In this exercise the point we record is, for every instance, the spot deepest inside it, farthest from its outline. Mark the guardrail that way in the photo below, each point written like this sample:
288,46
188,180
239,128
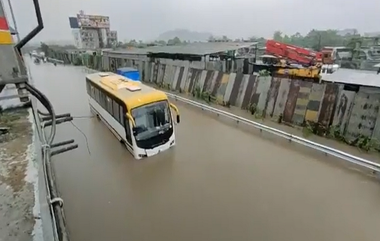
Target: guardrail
49,197
375,167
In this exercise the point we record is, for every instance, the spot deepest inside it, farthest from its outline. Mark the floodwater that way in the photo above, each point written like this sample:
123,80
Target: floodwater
220,183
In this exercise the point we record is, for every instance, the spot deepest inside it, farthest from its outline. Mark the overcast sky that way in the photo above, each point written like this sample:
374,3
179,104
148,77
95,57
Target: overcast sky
146,19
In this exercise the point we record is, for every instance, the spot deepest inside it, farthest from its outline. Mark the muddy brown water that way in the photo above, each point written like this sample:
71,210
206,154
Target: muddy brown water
219,183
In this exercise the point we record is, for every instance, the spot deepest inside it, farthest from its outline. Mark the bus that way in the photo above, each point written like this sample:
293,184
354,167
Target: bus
139,116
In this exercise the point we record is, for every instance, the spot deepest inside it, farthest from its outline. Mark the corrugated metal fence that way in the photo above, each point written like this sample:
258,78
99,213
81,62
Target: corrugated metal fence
351,113
298,101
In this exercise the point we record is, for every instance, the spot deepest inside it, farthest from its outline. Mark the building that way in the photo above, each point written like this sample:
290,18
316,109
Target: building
220,56
372,35
348,31
92,31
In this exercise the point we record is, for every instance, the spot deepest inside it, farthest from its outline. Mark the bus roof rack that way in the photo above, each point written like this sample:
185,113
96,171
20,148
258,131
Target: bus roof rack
116,82
133,87
103,74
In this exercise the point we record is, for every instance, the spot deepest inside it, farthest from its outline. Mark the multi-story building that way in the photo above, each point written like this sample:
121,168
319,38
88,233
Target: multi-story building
92,31
112,38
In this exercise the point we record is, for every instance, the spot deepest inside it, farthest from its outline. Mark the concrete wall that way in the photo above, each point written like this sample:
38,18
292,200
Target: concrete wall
232,66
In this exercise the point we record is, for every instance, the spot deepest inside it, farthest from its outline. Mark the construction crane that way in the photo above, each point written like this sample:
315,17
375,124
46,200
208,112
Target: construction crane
293,54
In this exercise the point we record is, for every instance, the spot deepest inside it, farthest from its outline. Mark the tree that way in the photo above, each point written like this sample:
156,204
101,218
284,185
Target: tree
259,40
278,36
211,39
225,39
160,42
174,41
315,39
132,43
44,48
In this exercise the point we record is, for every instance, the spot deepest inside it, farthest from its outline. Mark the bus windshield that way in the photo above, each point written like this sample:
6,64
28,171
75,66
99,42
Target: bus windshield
152,120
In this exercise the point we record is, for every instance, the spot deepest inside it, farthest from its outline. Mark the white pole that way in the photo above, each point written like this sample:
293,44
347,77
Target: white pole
14,20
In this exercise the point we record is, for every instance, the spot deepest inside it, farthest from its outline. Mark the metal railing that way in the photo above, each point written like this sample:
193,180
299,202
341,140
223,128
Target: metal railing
375,167
49,148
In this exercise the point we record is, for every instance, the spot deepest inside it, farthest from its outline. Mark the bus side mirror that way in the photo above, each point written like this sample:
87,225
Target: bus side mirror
176,110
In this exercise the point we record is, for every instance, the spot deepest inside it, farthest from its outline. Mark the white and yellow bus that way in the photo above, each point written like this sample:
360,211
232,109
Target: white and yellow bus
138,115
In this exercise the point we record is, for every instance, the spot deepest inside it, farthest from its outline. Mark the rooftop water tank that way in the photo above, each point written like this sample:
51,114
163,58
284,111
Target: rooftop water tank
130,73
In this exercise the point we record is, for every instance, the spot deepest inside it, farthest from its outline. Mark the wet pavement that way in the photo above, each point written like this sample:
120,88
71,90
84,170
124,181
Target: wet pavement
219,183
19,208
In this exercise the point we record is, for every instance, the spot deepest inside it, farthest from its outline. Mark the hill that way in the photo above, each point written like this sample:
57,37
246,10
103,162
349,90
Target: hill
184,34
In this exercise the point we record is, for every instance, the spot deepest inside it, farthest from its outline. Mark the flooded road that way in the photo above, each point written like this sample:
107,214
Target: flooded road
220,183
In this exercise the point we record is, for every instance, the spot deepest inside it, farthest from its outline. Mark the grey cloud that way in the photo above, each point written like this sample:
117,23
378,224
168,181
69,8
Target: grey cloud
146,19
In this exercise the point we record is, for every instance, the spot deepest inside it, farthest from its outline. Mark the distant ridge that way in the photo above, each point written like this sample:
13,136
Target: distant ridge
185,34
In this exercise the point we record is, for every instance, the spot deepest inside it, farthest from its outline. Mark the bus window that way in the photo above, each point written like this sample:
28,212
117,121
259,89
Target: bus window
128,131
97,95
93,92
159,117
109,105
115,112
102,100
88,87
122,114
151,120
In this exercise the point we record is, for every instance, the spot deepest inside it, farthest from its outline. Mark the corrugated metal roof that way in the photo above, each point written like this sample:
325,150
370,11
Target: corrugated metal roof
200,48
355,77
193,48
128,51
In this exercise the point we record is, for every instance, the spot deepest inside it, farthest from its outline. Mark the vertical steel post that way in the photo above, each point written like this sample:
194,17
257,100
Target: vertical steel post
11,65
8,60
14,20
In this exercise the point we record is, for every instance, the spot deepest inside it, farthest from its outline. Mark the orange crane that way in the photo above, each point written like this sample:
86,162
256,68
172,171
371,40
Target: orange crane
292,53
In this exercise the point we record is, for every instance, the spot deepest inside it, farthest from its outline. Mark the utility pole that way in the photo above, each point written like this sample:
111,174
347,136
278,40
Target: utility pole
10,67
14,20
319,42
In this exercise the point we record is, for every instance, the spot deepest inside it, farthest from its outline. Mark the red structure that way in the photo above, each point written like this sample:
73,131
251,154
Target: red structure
293,54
